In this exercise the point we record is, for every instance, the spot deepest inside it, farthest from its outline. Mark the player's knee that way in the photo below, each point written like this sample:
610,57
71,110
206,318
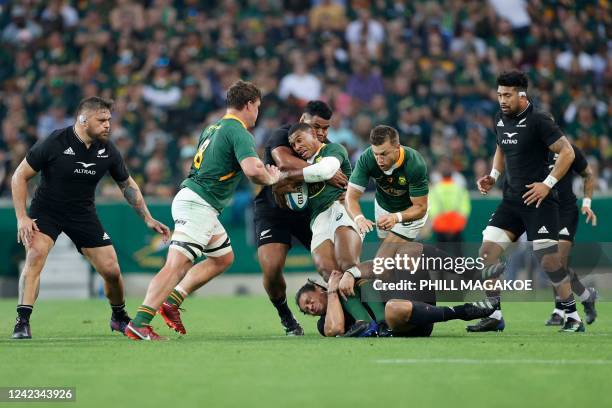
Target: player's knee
35,256
109,269
397,313
550,263
224,262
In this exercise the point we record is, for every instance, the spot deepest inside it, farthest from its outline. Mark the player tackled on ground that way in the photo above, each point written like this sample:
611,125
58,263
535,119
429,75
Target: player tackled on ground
71,162
525,136
363,315
226,149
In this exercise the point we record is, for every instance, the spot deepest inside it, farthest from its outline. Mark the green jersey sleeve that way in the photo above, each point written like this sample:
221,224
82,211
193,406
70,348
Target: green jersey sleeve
244,145
419,180
361,173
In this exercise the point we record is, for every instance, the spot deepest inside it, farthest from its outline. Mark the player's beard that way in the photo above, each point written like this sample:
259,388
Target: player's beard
103,136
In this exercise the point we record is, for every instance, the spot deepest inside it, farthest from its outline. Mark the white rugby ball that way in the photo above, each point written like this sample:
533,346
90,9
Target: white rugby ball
298,200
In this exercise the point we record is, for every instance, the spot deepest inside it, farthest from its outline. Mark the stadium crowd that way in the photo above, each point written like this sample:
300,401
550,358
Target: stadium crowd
427,68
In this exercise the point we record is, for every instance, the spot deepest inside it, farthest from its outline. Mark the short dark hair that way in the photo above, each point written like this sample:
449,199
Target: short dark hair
241,93
318,108
95,103
514,78
299,127
381,133
308,287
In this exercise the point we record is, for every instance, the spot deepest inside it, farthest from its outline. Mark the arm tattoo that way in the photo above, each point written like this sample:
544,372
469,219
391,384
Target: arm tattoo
133,197
589,182
559,144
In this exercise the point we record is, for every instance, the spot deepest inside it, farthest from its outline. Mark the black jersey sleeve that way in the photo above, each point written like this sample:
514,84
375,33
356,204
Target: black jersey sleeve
580,163
118,170
547,129
41,153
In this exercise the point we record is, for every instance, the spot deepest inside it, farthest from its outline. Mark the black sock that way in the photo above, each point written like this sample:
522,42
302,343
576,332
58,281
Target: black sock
24,311
282,308
568,305
119,310
558,304
424,314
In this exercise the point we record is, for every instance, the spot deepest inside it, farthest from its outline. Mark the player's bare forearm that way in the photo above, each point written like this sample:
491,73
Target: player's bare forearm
134,197
566,156
353,207
589,182
499,160
334,316
285,159
19,187
417,210
19,190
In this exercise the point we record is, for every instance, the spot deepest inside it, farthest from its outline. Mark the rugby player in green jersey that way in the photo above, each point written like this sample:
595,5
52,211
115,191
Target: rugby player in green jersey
400,174
226,149
336,242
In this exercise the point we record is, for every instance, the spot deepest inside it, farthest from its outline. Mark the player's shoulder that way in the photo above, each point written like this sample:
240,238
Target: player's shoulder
58,138
334,148
541,115
279,136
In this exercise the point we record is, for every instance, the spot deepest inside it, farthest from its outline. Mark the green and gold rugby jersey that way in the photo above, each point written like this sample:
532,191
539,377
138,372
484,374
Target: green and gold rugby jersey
215,171
407,178
322,195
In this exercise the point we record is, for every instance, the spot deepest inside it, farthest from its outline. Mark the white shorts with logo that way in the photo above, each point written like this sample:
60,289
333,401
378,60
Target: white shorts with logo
409,230
325,225
195,223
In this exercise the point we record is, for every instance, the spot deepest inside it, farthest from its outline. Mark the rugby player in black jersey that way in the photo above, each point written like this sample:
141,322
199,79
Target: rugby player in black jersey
525,136
71,162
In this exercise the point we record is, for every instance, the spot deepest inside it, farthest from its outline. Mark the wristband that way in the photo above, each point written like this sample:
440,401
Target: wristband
399,216
332,292
586,202
495,174
355,272
550,181
358,217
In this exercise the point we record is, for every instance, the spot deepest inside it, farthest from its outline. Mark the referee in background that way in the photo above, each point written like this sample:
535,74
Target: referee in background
71,162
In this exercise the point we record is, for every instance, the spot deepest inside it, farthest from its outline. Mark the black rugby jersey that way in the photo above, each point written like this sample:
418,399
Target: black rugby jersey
525,139
70,171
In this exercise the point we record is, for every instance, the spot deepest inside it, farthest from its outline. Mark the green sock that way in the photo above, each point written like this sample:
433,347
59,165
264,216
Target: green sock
144,316
175,298
355,308
371,297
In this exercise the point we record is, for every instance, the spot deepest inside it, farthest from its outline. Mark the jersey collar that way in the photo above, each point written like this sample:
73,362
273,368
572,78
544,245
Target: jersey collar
230,116
398,163
312,159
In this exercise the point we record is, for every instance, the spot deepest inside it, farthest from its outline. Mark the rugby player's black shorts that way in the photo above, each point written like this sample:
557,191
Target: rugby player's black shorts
568,222
83,228
282,229
539,223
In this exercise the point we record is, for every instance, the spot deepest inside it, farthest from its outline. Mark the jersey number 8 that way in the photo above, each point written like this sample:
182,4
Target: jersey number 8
197,160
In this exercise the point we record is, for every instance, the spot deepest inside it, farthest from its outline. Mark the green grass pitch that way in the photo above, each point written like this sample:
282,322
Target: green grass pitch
236,356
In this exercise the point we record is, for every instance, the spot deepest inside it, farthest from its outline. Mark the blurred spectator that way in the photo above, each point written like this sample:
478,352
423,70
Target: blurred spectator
22,30
365,34
299,84
55,118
